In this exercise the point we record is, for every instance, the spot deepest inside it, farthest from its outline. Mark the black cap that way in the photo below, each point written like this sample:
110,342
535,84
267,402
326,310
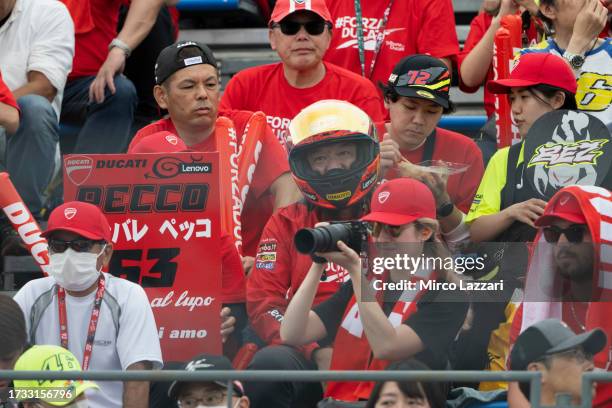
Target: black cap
422,76
207,362
552,336
168,60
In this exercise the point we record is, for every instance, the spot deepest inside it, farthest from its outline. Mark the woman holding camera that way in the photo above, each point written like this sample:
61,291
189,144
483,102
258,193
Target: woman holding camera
371,327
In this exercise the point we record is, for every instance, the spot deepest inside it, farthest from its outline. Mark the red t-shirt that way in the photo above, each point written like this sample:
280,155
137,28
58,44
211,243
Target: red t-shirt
265,89
479,26
6,96
96,26
272,163
413,27
455,148
280,269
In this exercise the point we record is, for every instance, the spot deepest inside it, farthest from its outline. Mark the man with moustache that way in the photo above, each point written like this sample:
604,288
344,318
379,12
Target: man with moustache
567,276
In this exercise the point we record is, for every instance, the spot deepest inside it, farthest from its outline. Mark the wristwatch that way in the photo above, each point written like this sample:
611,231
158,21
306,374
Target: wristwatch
445,210
121,45
575,60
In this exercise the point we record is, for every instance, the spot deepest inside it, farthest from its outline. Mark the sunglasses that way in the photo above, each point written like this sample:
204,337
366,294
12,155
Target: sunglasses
78,245
391,230
573,233
293,27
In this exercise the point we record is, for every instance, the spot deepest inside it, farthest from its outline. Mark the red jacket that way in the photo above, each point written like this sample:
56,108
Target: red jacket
279,271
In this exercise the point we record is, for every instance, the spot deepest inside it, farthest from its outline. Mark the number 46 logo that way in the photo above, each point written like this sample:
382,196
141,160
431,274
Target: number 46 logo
594,92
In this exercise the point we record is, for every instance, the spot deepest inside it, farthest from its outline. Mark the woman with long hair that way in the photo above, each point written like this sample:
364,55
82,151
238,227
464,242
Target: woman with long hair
393,313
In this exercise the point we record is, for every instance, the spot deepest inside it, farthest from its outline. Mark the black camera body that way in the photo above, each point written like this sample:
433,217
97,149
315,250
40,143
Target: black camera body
324,239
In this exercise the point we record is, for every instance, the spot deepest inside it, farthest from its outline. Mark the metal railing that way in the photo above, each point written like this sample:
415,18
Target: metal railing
463,122
533,377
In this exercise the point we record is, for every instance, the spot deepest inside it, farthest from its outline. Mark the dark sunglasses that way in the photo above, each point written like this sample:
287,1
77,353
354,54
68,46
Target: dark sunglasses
391,230
573,233
293,27
78,245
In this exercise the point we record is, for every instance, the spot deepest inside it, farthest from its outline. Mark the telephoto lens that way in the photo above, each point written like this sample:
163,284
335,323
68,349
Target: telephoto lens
322,239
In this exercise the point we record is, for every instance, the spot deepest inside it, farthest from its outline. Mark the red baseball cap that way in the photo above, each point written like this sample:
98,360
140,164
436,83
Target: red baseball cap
83,219
562,206
285,7
160,142
535,69
401,201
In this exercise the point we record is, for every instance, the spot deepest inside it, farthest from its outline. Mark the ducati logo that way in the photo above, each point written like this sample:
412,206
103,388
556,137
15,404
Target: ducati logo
173,140
70,212
78,168
383,196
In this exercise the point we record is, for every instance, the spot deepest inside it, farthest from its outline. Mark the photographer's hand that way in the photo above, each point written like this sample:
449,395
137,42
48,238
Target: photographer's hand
346,258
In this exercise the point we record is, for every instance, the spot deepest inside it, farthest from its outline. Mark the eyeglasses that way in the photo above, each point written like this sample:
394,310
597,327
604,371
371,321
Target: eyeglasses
78,245
573,233
293,27
210,399
578,354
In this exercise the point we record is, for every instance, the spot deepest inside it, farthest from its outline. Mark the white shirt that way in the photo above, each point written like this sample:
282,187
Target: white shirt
126,332
38,36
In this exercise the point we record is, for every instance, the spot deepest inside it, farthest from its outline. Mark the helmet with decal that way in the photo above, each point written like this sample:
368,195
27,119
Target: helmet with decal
322,124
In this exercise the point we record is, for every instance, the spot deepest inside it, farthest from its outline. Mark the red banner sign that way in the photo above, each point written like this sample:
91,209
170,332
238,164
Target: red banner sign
164,213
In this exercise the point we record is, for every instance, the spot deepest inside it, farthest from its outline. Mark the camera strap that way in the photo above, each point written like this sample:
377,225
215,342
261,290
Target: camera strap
428,149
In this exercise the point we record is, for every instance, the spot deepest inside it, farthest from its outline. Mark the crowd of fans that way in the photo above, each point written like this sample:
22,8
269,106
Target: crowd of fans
352,112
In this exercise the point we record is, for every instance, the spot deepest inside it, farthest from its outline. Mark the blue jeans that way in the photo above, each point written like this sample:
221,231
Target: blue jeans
30,152
106,126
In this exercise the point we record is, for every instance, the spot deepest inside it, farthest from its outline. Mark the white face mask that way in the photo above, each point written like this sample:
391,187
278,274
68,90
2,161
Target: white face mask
73,270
